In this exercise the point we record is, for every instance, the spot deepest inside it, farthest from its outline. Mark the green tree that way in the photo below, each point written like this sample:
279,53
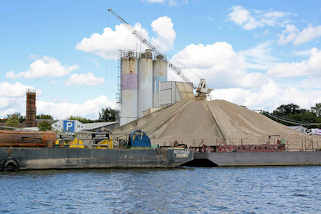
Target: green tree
292,114
108,115
45,116
44,126
283,110
81,119
316,109
13,120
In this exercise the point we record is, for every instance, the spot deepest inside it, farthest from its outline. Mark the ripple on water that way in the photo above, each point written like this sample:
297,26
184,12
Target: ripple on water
190,190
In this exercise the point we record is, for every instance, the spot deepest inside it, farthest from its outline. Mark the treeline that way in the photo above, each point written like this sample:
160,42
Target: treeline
293,114
105,115
17,120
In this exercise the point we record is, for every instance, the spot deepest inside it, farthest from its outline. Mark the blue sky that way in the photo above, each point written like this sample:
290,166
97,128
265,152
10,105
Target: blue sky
255,53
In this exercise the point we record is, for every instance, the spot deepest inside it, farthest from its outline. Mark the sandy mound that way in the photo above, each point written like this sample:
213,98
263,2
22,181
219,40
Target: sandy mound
197,122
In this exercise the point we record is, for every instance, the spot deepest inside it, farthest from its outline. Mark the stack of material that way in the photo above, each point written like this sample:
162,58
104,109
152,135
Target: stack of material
217,122
26,139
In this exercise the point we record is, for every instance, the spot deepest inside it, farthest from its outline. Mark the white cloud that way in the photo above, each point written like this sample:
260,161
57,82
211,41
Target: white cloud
243,17
311,83
12,97
269,96
308,34
220,65
44,67
13,89
292,34
84,79
166,33
259,57
251,20
62,110
311,66
228,73
111,41
289,34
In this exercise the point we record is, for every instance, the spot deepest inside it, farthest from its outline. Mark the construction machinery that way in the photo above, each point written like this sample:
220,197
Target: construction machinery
201,91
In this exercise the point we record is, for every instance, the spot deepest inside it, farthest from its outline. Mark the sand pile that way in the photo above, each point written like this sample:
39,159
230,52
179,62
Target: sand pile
197,122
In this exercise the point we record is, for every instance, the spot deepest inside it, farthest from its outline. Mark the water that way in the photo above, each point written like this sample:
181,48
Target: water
189,190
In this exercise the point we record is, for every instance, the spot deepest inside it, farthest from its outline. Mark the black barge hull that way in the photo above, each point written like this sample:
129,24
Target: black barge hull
224,159
72,158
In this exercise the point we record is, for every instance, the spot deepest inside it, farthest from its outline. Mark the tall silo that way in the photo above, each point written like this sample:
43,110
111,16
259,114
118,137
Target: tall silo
160,75
145,83
129,100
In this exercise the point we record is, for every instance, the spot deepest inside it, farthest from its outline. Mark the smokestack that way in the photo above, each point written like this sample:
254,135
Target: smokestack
31,110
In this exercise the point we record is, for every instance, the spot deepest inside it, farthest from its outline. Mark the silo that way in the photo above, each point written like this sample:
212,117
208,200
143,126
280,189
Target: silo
160,75
129,101
145,83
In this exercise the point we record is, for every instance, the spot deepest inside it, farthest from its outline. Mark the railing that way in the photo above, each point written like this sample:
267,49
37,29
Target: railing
292,142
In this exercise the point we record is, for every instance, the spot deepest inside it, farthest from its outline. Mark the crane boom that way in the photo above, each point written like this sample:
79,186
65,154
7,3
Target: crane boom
136,33
201,90
141,38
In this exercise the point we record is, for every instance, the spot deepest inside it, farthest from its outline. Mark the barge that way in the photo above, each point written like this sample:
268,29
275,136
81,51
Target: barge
42,150
231,159
75,158
254,155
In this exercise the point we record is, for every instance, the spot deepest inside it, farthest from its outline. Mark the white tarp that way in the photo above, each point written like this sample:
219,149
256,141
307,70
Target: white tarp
299,128
316,131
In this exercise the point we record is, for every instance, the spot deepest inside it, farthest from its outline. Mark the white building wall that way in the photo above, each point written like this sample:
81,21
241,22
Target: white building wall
171,92
167,93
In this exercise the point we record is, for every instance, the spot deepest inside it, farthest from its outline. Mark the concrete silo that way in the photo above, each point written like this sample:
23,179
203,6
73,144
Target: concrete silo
145,83
159,75
129,77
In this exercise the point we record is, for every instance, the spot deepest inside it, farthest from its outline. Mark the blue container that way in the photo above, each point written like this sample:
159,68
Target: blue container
138,138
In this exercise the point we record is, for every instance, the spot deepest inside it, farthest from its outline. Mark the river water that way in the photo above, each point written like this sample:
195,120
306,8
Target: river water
187,190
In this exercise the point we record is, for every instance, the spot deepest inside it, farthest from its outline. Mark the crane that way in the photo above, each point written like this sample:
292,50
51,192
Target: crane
201,91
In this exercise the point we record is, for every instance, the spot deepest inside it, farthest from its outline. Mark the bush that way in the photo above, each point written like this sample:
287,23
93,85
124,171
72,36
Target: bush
13,120
44,126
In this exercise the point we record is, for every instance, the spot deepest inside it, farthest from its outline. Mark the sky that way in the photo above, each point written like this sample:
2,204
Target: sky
259,54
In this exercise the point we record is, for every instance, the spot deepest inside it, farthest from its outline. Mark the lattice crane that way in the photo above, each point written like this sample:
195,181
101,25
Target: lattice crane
201,90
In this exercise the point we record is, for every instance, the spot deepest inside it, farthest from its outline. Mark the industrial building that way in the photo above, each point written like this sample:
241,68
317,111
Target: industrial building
144,87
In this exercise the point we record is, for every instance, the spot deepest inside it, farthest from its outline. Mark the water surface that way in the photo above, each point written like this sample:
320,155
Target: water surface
188,190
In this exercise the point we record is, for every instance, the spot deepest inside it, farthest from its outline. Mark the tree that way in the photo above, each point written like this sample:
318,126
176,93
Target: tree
108,115
316,109
292,114
13,120
44,126
81,119
45,116
283,110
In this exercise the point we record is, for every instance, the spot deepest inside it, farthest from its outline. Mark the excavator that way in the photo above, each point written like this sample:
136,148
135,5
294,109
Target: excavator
201,91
